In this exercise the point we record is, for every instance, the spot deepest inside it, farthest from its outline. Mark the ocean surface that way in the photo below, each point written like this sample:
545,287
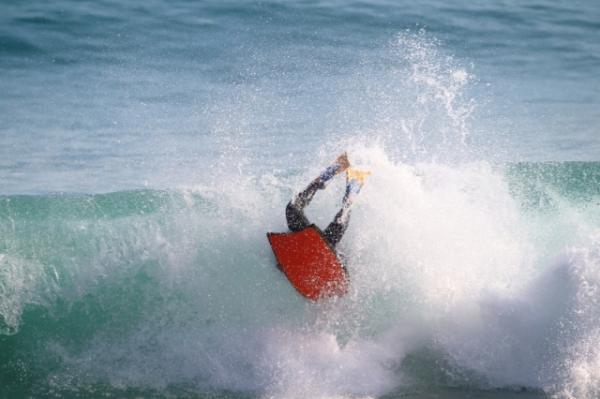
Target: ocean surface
147,147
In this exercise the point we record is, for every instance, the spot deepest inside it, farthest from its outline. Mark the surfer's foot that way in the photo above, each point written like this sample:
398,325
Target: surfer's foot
355,179
338,166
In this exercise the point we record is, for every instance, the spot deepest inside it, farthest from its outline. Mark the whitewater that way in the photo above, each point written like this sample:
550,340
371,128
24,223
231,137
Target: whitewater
134,260
460,277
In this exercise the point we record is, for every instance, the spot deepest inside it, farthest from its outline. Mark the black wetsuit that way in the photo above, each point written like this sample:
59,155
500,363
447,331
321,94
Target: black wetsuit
294,213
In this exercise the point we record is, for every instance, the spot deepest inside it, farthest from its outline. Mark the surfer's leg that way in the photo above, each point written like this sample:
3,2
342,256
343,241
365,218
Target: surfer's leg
294,211
336,229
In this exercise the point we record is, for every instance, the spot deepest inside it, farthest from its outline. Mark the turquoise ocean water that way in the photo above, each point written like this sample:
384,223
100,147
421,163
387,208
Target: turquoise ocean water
146,148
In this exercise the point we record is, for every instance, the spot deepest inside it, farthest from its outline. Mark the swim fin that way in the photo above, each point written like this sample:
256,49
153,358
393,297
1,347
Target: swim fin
355,179
357,174
339,165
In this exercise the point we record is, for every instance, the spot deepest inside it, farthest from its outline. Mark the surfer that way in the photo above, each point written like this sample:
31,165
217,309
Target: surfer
294,211
307,256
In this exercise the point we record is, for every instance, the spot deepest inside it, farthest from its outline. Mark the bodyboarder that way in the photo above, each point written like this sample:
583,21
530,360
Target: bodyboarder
306,255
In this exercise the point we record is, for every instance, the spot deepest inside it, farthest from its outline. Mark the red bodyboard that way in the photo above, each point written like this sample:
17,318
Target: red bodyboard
309,262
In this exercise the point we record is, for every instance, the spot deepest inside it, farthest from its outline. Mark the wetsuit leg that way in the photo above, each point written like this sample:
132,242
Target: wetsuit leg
294,212
336,229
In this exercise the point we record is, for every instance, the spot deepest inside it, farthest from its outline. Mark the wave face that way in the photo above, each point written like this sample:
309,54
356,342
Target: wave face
467,276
